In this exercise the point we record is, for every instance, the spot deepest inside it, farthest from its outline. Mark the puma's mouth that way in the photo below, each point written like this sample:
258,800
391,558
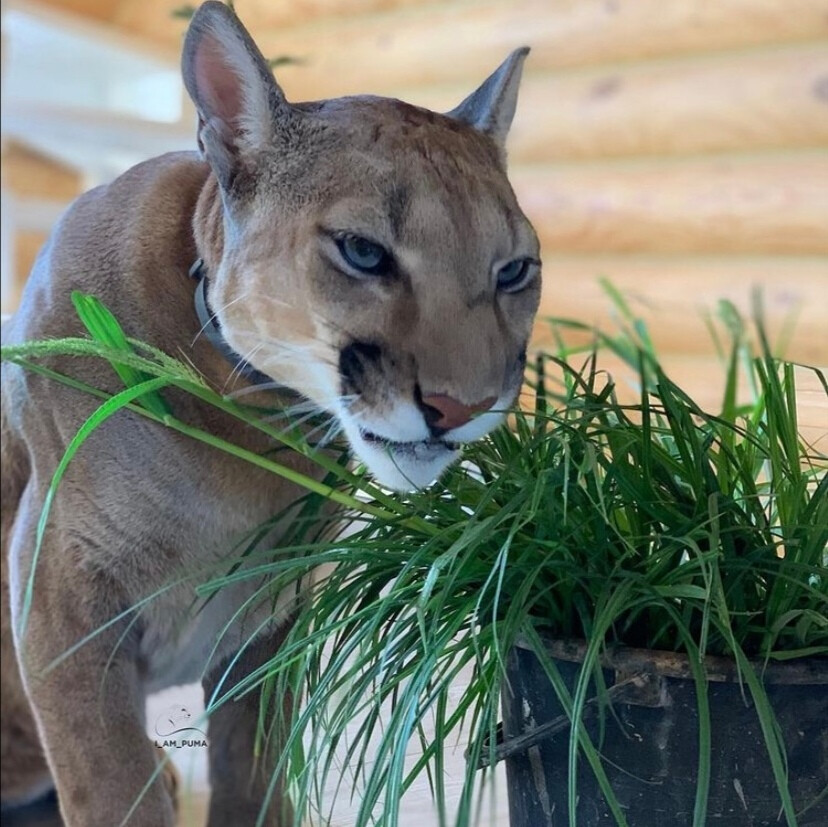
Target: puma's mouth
403,465
431,444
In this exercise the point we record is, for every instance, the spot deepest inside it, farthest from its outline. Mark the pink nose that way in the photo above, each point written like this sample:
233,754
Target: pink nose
447,412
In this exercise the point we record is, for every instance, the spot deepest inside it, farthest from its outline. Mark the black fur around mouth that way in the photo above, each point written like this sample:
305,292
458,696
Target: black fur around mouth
390,444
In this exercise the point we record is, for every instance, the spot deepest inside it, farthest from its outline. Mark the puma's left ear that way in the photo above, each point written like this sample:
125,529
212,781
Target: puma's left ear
239,104
491,107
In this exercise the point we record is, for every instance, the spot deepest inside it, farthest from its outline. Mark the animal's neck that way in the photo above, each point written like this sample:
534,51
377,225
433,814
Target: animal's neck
208,231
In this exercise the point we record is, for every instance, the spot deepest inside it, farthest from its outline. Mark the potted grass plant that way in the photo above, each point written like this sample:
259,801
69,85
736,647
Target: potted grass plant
637,587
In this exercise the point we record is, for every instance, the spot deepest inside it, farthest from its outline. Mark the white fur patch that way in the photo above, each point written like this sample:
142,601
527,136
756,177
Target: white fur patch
416,461
413,466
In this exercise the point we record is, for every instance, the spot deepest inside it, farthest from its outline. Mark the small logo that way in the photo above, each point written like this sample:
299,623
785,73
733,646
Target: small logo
175,721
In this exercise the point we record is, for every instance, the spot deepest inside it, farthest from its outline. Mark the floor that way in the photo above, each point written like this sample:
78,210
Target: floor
182,707
417,810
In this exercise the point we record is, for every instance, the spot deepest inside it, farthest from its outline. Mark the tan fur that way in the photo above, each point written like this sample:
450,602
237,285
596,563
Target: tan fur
141,504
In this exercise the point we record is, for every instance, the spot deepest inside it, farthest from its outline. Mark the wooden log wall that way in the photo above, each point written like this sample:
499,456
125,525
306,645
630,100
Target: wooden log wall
675,147
678,148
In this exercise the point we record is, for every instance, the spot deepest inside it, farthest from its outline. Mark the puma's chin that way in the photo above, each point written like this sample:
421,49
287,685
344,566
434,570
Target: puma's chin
402,466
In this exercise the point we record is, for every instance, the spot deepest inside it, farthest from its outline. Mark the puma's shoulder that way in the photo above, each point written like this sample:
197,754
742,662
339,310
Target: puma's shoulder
123,242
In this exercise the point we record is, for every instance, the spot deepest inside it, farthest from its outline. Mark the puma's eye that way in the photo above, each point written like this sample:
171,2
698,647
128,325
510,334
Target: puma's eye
363,255
516,275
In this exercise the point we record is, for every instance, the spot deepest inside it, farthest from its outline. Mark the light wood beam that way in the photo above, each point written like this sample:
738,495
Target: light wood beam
71,18
774,204
116,132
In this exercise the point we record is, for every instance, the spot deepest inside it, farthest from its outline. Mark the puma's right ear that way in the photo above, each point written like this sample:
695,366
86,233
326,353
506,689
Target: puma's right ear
232,87
491,107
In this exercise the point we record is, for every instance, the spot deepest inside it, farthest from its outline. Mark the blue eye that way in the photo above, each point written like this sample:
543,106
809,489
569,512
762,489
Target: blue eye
363,255
515,275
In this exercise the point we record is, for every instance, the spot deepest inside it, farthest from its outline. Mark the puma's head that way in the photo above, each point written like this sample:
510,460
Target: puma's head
368,253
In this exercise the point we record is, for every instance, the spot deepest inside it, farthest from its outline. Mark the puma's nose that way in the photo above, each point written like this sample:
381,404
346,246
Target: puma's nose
443,412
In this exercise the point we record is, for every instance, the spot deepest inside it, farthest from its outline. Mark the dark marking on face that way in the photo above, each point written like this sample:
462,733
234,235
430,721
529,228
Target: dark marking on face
414,116
354,360
515,373
483,297
397,205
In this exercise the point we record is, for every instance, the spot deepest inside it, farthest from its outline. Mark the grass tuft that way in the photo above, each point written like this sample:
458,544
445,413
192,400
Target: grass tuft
654,524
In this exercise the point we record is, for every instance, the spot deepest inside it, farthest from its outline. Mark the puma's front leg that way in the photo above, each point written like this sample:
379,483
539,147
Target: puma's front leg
240,780
90,707
91,720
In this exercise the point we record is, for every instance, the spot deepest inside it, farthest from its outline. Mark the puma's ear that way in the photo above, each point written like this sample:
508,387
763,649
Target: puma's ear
232,87
491,107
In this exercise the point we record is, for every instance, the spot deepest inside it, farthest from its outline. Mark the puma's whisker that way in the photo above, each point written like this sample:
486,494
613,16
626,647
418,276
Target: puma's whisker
238,393
332,427
238,369
213,317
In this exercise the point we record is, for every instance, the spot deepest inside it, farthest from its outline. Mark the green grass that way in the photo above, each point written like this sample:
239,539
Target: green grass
655,524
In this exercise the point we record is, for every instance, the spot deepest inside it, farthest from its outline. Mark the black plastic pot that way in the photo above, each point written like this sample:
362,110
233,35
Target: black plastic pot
650,745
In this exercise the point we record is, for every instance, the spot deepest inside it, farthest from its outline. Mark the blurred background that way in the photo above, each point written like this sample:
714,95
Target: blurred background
678,148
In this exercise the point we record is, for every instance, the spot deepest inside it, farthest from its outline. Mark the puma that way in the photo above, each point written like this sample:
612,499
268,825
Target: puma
362,253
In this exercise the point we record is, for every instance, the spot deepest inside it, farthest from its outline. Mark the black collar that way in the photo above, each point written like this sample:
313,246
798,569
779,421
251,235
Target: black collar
211,328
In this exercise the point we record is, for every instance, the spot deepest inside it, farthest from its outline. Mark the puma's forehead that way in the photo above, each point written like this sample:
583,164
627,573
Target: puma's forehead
373,123
400,173
342,139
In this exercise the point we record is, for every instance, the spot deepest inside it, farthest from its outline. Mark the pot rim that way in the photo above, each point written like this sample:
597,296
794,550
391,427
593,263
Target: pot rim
811,670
